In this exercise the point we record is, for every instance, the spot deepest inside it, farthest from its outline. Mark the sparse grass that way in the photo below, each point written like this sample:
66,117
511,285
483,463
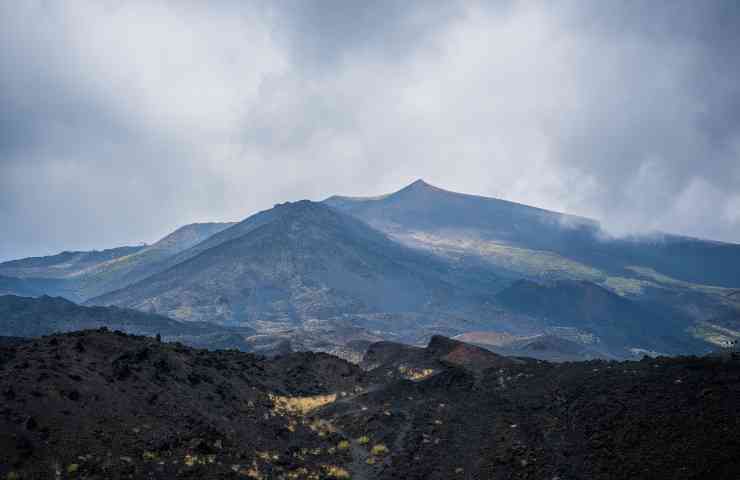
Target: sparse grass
192,460
625,286
300,405
335,471
343,445
651,274
322,427
150,456
411,373
301,472
379,450
532,262
714,334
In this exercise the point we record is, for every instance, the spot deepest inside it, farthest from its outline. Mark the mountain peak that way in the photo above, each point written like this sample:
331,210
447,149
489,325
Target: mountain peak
419,184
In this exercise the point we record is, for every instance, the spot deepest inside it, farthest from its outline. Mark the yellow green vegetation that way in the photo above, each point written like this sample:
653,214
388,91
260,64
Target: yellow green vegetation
182,313
379,450
651,274
411,373
714,334
300,405
533,262
335,471
363,440
192,460
301,472
343,445
72,468
267,456
150,455
625,286
322,427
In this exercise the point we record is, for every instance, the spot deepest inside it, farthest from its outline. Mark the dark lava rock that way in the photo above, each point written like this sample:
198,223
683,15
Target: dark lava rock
132,407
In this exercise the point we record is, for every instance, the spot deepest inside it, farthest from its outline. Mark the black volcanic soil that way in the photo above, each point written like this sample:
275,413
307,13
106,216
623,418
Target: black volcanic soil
105,405
97,404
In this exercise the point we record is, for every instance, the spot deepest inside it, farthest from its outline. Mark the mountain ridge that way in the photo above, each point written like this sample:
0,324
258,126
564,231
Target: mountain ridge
306,236
89,273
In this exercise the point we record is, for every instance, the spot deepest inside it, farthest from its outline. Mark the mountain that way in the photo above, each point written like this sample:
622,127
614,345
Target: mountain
118,273
616,322
81,275
32,287
63,265
96,404
541,243
565,346
661,290
419,262
33,317
303,261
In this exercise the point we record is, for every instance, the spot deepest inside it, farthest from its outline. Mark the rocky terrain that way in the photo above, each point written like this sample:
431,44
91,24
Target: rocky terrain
101,404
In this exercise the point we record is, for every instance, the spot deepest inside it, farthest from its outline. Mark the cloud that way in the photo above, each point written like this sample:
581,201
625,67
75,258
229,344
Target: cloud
123,120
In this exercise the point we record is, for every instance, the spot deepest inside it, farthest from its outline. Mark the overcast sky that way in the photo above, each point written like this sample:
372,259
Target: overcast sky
121,120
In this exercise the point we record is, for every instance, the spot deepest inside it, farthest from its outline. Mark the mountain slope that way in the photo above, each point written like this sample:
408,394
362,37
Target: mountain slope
536,242
297,262
63,265
33,287
119,272
616,322
81,275
33,317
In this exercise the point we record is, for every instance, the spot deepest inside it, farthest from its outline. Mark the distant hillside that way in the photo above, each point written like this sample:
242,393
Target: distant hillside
662,291
616,321
63,265
120,272
33,317
544,346
81,275
536,242
297,262
33,287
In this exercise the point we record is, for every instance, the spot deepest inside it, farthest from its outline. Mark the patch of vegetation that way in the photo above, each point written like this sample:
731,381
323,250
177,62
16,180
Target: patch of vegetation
343,445
300,405
335,471
416,374
379,450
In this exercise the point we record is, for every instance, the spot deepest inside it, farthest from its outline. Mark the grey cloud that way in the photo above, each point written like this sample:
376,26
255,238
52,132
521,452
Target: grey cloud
121,121
327,33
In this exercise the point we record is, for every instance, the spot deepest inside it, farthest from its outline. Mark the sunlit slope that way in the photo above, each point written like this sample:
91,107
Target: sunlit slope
541,243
